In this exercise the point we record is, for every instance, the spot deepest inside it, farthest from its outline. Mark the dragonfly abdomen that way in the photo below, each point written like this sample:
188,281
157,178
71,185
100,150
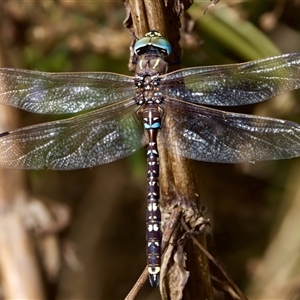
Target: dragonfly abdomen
152,123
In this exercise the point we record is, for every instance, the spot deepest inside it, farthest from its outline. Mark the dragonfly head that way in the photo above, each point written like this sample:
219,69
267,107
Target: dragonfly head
152,40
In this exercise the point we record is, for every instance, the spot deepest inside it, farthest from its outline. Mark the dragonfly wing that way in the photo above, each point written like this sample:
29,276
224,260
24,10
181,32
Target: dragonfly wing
206,134
84,141
235,84
59,93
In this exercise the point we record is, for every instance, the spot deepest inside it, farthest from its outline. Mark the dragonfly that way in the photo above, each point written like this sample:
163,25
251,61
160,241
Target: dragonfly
125,113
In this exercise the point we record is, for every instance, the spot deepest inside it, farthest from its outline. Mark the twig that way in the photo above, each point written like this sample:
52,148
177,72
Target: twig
215,262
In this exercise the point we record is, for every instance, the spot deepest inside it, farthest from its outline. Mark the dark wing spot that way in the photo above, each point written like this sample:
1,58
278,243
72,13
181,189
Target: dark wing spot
4,134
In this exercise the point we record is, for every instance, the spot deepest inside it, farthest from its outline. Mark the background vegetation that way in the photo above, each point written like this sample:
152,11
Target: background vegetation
254,208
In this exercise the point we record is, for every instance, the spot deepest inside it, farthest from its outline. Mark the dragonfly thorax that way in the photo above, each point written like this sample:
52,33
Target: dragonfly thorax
147,79
150,61
148,88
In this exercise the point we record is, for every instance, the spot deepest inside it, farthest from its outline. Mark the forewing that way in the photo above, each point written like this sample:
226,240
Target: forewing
59,93
235,84
206,134
84,141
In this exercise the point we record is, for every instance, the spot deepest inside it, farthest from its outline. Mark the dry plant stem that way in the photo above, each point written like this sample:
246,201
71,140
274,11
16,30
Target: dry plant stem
214,2
176,176
138,285
235,288
19,268
146,15
20,274
177,185
19,271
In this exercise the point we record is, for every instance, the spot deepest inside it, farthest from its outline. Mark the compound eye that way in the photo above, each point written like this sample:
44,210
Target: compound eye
162,44
154,39
141,43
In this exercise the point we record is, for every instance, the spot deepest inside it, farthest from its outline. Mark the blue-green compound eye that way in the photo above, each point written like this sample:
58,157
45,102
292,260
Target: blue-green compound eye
153,38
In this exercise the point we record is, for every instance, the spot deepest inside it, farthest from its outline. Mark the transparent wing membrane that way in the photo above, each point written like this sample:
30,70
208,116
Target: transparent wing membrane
236,84
60,93
211,135
84,141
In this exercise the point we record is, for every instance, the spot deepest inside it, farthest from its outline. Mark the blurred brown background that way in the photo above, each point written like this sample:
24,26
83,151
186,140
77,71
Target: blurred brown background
252,207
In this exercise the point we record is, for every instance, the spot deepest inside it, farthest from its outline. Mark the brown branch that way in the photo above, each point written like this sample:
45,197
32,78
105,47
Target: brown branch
233,289
177,182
